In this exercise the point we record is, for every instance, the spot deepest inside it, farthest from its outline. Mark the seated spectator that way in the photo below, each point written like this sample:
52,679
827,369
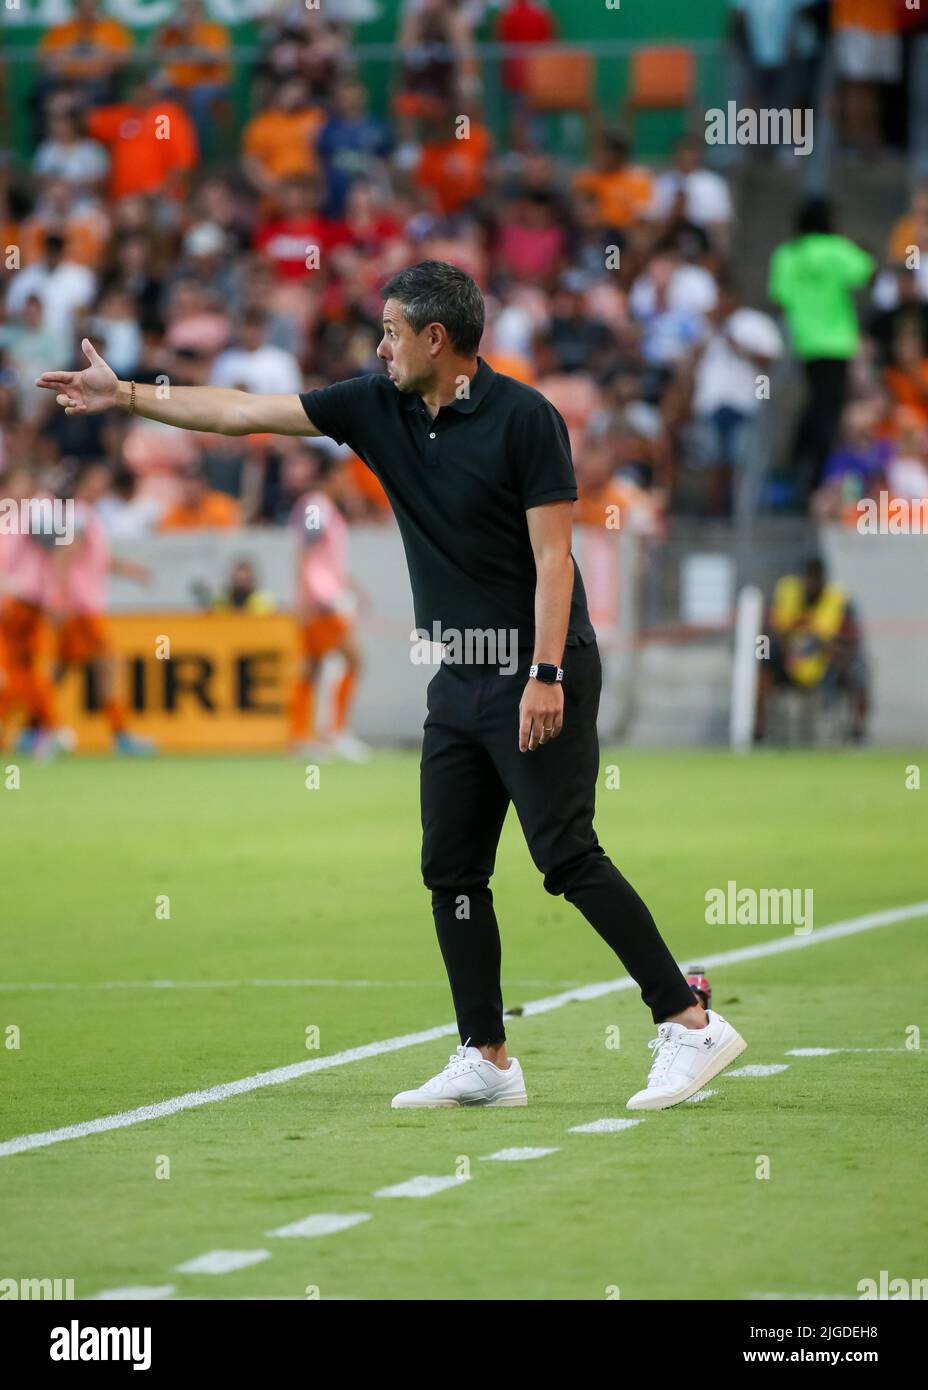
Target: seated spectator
436,57
906,377
227,206
857,467
242,594
85,54
198,77
370,221
670,302
143,160
620,191
868,54
279,143
254,364
910,232
133,265
206,259
196,321
742,345
301,42
125,514
902,309
815,643
352,146
25,338
61,286
68,154
532,239
607,500
452,171
576,397
115,321
575,340
689,195
80,222
198,508
907,470
296,239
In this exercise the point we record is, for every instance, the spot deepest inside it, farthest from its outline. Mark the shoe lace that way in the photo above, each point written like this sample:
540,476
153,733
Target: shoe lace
663,1050
457,1063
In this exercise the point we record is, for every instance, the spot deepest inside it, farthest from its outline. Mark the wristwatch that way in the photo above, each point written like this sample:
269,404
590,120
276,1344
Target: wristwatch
546,672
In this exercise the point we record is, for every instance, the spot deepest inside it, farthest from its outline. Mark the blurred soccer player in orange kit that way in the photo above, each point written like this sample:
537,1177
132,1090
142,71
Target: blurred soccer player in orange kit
79,596
25,567
325,597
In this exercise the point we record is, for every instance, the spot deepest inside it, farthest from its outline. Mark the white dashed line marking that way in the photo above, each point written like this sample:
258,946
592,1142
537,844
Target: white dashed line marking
603,1126
516,1155
279,1075
833,1051
222,1261
423,1186
759,1069
322,1224
799,1297
136,1291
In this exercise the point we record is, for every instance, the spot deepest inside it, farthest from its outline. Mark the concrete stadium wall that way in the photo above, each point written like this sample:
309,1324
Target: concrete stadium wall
887,577
664,694
391,701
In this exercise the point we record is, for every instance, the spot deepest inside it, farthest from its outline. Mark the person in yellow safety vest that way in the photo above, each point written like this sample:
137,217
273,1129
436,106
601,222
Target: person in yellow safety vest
815,641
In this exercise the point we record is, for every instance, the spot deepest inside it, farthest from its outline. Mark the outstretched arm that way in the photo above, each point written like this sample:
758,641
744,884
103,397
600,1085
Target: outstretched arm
215,409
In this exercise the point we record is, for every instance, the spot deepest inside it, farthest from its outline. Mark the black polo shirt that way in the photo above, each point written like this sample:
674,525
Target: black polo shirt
460,485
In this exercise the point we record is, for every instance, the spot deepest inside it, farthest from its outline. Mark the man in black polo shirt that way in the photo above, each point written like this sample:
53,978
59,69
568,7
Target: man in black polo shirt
478,470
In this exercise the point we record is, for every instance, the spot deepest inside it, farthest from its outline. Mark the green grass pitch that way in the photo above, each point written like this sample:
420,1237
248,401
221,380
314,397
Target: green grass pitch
270,881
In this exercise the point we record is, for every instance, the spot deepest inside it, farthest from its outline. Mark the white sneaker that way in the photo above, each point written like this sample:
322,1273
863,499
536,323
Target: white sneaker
685,1059
468,1079
353,749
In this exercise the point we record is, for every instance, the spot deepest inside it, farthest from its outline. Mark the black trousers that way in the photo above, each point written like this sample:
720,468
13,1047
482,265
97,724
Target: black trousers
826,385
471,770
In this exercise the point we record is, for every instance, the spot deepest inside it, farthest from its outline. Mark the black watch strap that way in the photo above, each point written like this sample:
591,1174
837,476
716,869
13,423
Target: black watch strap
546,672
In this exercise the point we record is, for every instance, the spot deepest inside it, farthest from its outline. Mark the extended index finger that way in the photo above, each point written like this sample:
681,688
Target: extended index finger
51,380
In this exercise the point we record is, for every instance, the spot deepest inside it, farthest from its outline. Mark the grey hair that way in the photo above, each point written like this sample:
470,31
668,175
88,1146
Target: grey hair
438,292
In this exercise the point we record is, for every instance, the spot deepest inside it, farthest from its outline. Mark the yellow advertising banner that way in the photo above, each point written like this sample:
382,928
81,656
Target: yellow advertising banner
193,682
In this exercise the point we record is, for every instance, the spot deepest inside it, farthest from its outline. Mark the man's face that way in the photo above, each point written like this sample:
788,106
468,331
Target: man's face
94,485
193,490
814,584
613,156
290,96
350,100
252,336
409,363
243,579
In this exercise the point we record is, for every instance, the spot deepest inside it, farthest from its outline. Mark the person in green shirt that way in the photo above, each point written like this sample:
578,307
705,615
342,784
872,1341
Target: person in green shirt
813,277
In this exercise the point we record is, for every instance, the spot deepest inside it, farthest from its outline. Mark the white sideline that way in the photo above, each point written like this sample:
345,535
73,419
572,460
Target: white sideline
190,1100
259,984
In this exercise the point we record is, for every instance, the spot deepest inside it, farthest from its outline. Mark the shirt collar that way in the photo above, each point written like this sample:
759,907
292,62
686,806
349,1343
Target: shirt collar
480,384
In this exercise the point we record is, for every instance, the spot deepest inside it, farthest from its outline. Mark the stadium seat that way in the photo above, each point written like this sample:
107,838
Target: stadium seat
559,81
660,78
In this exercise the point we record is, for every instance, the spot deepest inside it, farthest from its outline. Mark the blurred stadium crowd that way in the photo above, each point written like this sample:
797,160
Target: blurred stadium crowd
610,286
